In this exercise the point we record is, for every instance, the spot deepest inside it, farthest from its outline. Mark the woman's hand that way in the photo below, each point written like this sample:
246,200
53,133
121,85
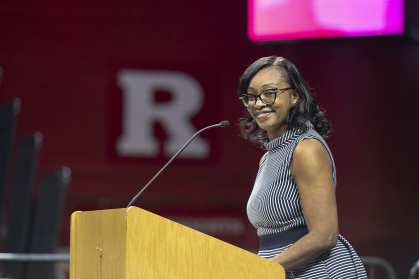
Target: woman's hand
311,168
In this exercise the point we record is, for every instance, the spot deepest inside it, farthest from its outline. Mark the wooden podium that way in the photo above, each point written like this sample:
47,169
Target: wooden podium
133,243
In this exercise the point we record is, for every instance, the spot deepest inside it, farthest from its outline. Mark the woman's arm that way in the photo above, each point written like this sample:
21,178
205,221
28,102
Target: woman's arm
311,168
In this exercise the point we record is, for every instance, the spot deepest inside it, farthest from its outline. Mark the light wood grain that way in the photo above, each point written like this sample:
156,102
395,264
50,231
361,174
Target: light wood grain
135,244
99,245
73,241
170,250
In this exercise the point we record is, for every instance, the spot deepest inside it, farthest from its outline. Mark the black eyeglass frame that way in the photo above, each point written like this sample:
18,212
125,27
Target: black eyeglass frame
258,96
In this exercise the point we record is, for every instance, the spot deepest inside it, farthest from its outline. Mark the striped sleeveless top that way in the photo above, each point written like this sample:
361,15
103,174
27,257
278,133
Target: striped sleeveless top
275,207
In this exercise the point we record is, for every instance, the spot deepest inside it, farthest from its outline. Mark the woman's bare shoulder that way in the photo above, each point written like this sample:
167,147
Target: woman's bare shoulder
310,153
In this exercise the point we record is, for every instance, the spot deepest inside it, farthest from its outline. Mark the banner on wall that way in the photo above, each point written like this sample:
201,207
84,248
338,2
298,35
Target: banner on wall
307,19
153,113
140,111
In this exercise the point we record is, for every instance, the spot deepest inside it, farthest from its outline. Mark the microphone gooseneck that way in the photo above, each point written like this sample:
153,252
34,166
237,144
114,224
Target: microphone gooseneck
223,124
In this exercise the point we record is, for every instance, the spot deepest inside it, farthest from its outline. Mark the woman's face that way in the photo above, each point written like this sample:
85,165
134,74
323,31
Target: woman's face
271,117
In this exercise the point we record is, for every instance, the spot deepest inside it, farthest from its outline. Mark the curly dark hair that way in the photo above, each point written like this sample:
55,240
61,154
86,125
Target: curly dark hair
304,109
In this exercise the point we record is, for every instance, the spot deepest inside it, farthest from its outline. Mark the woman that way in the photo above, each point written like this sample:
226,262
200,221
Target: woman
293,204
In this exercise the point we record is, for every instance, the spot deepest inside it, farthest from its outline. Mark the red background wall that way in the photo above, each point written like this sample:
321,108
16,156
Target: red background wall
61,60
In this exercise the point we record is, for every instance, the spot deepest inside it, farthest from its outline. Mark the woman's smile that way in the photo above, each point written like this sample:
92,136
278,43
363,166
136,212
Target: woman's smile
263,115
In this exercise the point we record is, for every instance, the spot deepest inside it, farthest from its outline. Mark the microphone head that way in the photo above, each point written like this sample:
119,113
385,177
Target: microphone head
225,124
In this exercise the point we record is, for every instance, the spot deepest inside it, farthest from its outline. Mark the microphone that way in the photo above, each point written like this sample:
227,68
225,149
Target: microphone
223,124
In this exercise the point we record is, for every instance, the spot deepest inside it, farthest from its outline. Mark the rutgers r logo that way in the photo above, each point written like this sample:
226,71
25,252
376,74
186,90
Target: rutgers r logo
140,111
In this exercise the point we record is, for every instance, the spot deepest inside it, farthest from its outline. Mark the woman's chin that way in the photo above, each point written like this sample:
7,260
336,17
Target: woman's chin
264,125
273,132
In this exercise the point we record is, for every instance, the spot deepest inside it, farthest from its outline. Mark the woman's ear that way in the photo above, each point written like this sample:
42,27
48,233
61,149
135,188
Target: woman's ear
295,96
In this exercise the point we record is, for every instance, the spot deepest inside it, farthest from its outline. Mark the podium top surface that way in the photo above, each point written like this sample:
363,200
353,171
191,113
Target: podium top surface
134,243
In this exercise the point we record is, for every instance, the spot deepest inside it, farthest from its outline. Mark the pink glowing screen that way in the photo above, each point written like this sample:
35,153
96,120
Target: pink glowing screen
302,19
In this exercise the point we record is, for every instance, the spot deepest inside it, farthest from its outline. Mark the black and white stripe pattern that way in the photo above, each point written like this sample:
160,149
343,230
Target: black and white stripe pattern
274,206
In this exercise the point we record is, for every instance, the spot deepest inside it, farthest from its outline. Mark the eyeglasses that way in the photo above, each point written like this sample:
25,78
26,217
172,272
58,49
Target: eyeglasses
268,97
